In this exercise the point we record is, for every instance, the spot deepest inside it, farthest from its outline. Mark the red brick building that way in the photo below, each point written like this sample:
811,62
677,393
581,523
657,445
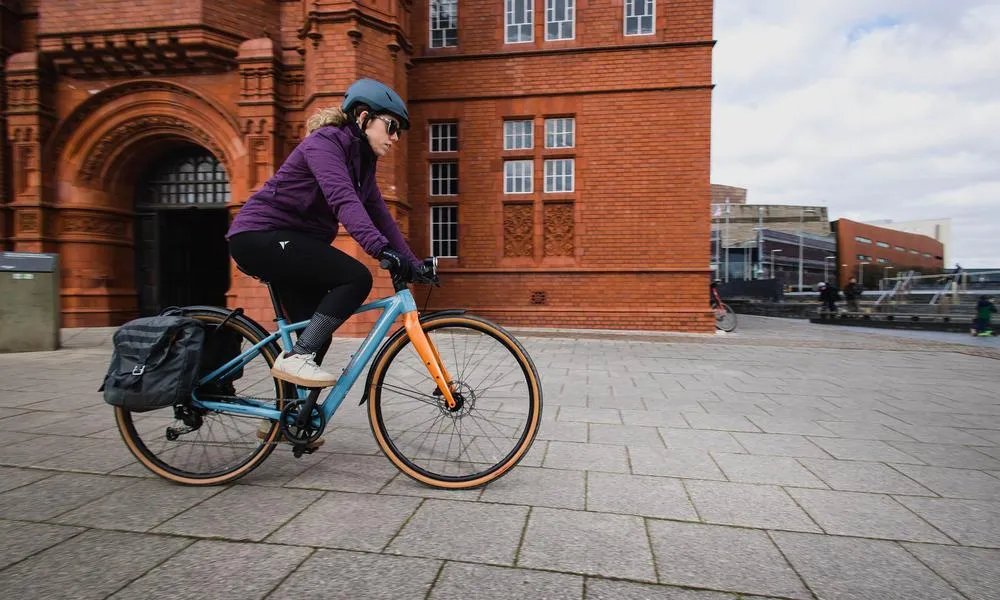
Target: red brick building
558,159
886,252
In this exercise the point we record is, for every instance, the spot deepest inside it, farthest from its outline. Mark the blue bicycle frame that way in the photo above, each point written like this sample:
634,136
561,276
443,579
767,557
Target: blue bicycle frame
392,308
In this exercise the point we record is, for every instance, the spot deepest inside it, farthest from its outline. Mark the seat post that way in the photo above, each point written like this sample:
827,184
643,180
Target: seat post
274,301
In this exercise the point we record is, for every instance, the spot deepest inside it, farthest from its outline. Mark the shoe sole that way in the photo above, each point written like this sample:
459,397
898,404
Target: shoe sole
307,383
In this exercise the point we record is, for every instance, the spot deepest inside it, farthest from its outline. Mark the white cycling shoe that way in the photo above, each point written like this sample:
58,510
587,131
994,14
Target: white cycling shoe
301,369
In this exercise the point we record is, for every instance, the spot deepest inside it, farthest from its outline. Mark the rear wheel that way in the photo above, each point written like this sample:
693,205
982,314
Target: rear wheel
725,318
499,404
195,446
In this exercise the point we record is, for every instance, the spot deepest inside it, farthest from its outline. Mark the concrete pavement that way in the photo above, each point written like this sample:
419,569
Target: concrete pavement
785,460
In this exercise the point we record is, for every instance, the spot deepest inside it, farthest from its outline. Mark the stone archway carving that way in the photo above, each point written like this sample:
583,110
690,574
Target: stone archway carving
117,138
171,92
92,158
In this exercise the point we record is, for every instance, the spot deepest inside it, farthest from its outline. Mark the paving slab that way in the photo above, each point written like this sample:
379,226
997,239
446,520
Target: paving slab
838,568
239,572
759,506
865,515
22,539
477,532
722,558
859,476
973,571
460,581
69,570
341,574
667,466
587,543
348,521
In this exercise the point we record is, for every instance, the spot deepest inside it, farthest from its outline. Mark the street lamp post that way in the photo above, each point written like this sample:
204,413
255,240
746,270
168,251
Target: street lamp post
825,264
772,263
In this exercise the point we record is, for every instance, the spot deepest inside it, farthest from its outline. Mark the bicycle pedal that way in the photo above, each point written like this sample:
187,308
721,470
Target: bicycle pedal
299,449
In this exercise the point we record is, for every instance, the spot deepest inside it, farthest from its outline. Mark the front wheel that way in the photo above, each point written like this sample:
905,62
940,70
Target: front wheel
725,318
495,420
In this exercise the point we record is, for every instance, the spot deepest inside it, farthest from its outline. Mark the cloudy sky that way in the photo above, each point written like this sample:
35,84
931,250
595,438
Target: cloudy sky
877,109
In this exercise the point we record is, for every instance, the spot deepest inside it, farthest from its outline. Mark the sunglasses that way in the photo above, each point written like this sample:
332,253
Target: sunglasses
392,126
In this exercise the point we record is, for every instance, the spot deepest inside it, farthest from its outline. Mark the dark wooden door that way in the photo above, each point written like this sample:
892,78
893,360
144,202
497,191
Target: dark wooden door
147,276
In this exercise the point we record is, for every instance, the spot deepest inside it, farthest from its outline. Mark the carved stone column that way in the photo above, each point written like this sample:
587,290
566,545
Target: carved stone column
30,120
259,110
261,123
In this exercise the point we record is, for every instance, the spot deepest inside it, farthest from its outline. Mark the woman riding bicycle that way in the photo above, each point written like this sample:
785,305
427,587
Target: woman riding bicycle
283,233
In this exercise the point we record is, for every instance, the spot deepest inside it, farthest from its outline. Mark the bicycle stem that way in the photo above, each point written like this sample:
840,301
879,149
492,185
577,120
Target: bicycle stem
429,354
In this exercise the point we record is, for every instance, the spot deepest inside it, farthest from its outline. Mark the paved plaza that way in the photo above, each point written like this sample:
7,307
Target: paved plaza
784,460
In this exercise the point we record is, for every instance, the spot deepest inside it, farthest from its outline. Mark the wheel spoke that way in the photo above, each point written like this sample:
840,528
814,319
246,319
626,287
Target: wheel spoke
496,406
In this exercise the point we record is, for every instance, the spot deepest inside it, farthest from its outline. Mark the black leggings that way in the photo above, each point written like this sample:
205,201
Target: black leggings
309,275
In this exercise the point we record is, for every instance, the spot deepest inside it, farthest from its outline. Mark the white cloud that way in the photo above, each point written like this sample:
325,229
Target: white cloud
874,108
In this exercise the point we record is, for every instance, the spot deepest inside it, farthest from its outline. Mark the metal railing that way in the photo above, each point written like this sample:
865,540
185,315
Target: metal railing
903,285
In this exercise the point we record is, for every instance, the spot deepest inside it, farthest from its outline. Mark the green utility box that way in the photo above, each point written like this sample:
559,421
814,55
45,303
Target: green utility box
29,302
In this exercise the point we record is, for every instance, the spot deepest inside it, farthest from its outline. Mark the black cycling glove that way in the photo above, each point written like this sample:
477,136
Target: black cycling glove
398,264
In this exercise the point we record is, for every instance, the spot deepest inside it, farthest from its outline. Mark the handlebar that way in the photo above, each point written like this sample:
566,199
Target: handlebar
430,263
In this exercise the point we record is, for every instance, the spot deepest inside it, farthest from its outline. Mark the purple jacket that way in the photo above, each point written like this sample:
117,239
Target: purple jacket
314,191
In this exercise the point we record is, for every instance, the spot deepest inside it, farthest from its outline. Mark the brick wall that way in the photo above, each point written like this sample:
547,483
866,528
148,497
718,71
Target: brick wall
246,18
626,248
60,16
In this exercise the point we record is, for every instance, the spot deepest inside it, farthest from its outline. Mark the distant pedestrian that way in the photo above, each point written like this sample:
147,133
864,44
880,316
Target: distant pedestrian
982,324
852,293
828,296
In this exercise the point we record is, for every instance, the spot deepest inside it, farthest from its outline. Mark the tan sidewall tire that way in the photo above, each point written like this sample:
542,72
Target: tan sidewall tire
522,358
268,447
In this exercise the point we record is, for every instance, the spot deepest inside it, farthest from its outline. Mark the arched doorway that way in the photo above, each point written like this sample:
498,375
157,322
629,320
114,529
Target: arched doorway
181,220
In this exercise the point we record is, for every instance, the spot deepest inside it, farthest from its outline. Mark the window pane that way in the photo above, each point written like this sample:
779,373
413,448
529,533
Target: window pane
517,135
443,22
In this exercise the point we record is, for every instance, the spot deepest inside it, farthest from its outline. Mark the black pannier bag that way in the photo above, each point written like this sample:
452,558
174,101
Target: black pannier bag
155,362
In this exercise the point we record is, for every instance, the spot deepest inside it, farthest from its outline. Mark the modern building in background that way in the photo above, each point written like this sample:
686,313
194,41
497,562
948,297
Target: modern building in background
938,229
136,128
872,253
770,241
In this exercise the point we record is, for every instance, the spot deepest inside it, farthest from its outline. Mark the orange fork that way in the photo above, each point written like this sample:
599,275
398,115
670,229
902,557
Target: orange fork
429,354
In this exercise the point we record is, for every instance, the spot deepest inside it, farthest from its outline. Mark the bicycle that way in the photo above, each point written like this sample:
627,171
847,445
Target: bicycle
485,397
725,317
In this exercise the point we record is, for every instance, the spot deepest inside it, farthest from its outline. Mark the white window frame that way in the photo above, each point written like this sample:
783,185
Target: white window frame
443,133
431,22
630,8
863,240
554,173
441,242
512,132
442,178
881,244
514,170
526,18
569,11
560,132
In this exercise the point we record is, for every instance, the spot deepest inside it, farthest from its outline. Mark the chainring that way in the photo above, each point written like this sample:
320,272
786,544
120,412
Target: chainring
301,435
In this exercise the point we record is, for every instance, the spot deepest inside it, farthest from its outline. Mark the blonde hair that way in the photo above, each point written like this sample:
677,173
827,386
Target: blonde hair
332,115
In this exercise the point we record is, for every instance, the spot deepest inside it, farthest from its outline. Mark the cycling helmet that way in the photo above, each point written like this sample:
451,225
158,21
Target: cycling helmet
379,97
